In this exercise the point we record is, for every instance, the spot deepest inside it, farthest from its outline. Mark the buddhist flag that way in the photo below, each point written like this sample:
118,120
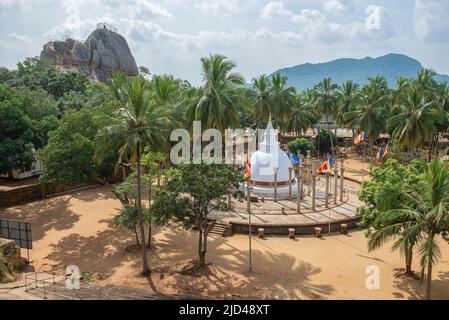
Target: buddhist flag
380,154
362,136
325,167
383,151
387,149
247,171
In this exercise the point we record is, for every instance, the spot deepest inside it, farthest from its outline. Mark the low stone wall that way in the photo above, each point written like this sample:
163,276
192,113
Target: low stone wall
30,193
300,229
34,192
11,252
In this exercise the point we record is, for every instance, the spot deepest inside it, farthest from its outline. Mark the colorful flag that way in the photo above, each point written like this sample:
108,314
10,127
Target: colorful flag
247,171
387,149
383,151
380,154
325,167
362,136
331,159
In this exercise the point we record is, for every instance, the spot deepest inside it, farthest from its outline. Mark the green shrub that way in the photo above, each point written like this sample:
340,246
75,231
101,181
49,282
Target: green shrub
301,145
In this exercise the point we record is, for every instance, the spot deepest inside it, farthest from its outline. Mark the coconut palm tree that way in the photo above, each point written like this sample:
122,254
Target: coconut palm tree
301,116
281,97
370,114
260,97
326,101
348,99
423,215
137,124
414,118
216,105
426,83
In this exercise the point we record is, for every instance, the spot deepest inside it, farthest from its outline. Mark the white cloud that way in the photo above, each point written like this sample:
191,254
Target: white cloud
430,19
335,6
275,9
20,38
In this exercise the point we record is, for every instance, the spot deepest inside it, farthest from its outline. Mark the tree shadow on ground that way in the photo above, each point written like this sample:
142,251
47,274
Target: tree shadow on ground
101,254
275,276
417,290
94,194
44,215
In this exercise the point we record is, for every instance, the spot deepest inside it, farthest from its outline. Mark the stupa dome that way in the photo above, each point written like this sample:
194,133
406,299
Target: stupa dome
269,157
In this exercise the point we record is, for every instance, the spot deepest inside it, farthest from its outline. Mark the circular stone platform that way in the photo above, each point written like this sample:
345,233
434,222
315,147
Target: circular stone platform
269,215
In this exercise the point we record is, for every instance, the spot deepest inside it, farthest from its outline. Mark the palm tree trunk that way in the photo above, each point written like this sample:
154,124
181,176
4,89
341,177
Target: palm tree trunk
429,281
145,267
429,275
408,261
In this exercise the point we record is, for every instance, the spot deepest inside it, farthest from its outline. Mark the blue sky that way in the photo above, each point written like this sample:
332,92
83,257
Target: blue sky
260,36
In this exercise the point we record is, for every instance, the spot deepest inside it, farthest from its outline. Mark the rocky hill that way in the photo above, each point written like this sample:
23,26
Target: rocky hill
103,52
390,66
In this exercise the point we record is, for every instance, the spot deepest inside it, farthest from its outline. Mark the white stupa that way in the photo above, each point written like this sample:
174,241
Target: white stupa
265,162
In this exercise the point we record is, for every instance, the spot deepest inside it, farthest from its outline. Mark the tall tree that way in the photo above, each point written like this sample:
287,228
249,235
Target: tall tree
193,191
136,125
327,102
216,106
281,97
301,117
371,112
261,98
414,118
348,99
424,214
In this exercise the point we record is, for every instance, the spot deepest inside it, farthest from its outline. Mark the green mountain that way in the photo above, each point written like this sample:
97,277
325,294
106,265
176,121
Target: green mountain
390,66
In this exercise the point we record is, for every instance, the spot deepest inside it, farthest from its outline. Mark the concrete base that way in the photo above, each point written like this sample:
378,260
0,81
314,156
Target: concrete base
268,192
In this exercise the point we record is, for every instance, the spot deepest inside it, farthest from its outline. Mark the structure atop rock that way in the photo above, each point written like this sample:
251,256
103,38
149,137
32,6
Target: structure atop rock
104,52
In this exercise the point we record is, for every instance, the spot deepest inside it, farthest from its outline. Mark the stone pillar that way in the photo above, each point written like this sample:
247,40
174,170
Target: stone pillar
326,192
342,178
298,192
314,165
290,183
335,181
248,200
275,185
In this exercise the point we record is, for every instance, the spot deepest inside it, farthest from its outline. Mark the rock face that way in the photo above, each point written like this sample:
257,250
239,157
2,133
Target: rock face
103,52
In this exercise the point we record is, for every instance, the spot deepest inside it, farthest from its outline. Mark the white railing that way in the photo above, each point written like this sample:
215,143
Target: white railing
105,25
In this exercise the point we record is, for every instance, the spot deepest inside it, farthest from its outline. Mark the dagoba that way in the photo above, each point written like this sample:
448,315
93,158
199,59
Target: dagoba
265,162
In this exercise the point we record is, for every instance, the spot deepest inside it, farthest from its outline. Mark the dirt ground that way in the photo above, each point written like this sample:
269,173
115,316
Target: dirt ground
78,229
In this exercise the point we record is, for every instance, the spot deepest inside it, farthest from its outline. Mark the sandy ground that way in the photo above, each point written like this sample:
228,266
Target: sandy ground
78,229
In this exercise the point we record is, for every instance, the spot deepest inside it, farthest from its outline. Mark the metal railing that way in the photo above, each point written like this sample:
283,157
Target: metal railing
33,283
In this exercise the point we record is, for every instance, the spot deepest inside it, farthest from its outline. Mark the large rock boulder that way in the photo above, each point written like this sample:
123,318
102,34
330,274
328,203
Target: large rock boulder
104,52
